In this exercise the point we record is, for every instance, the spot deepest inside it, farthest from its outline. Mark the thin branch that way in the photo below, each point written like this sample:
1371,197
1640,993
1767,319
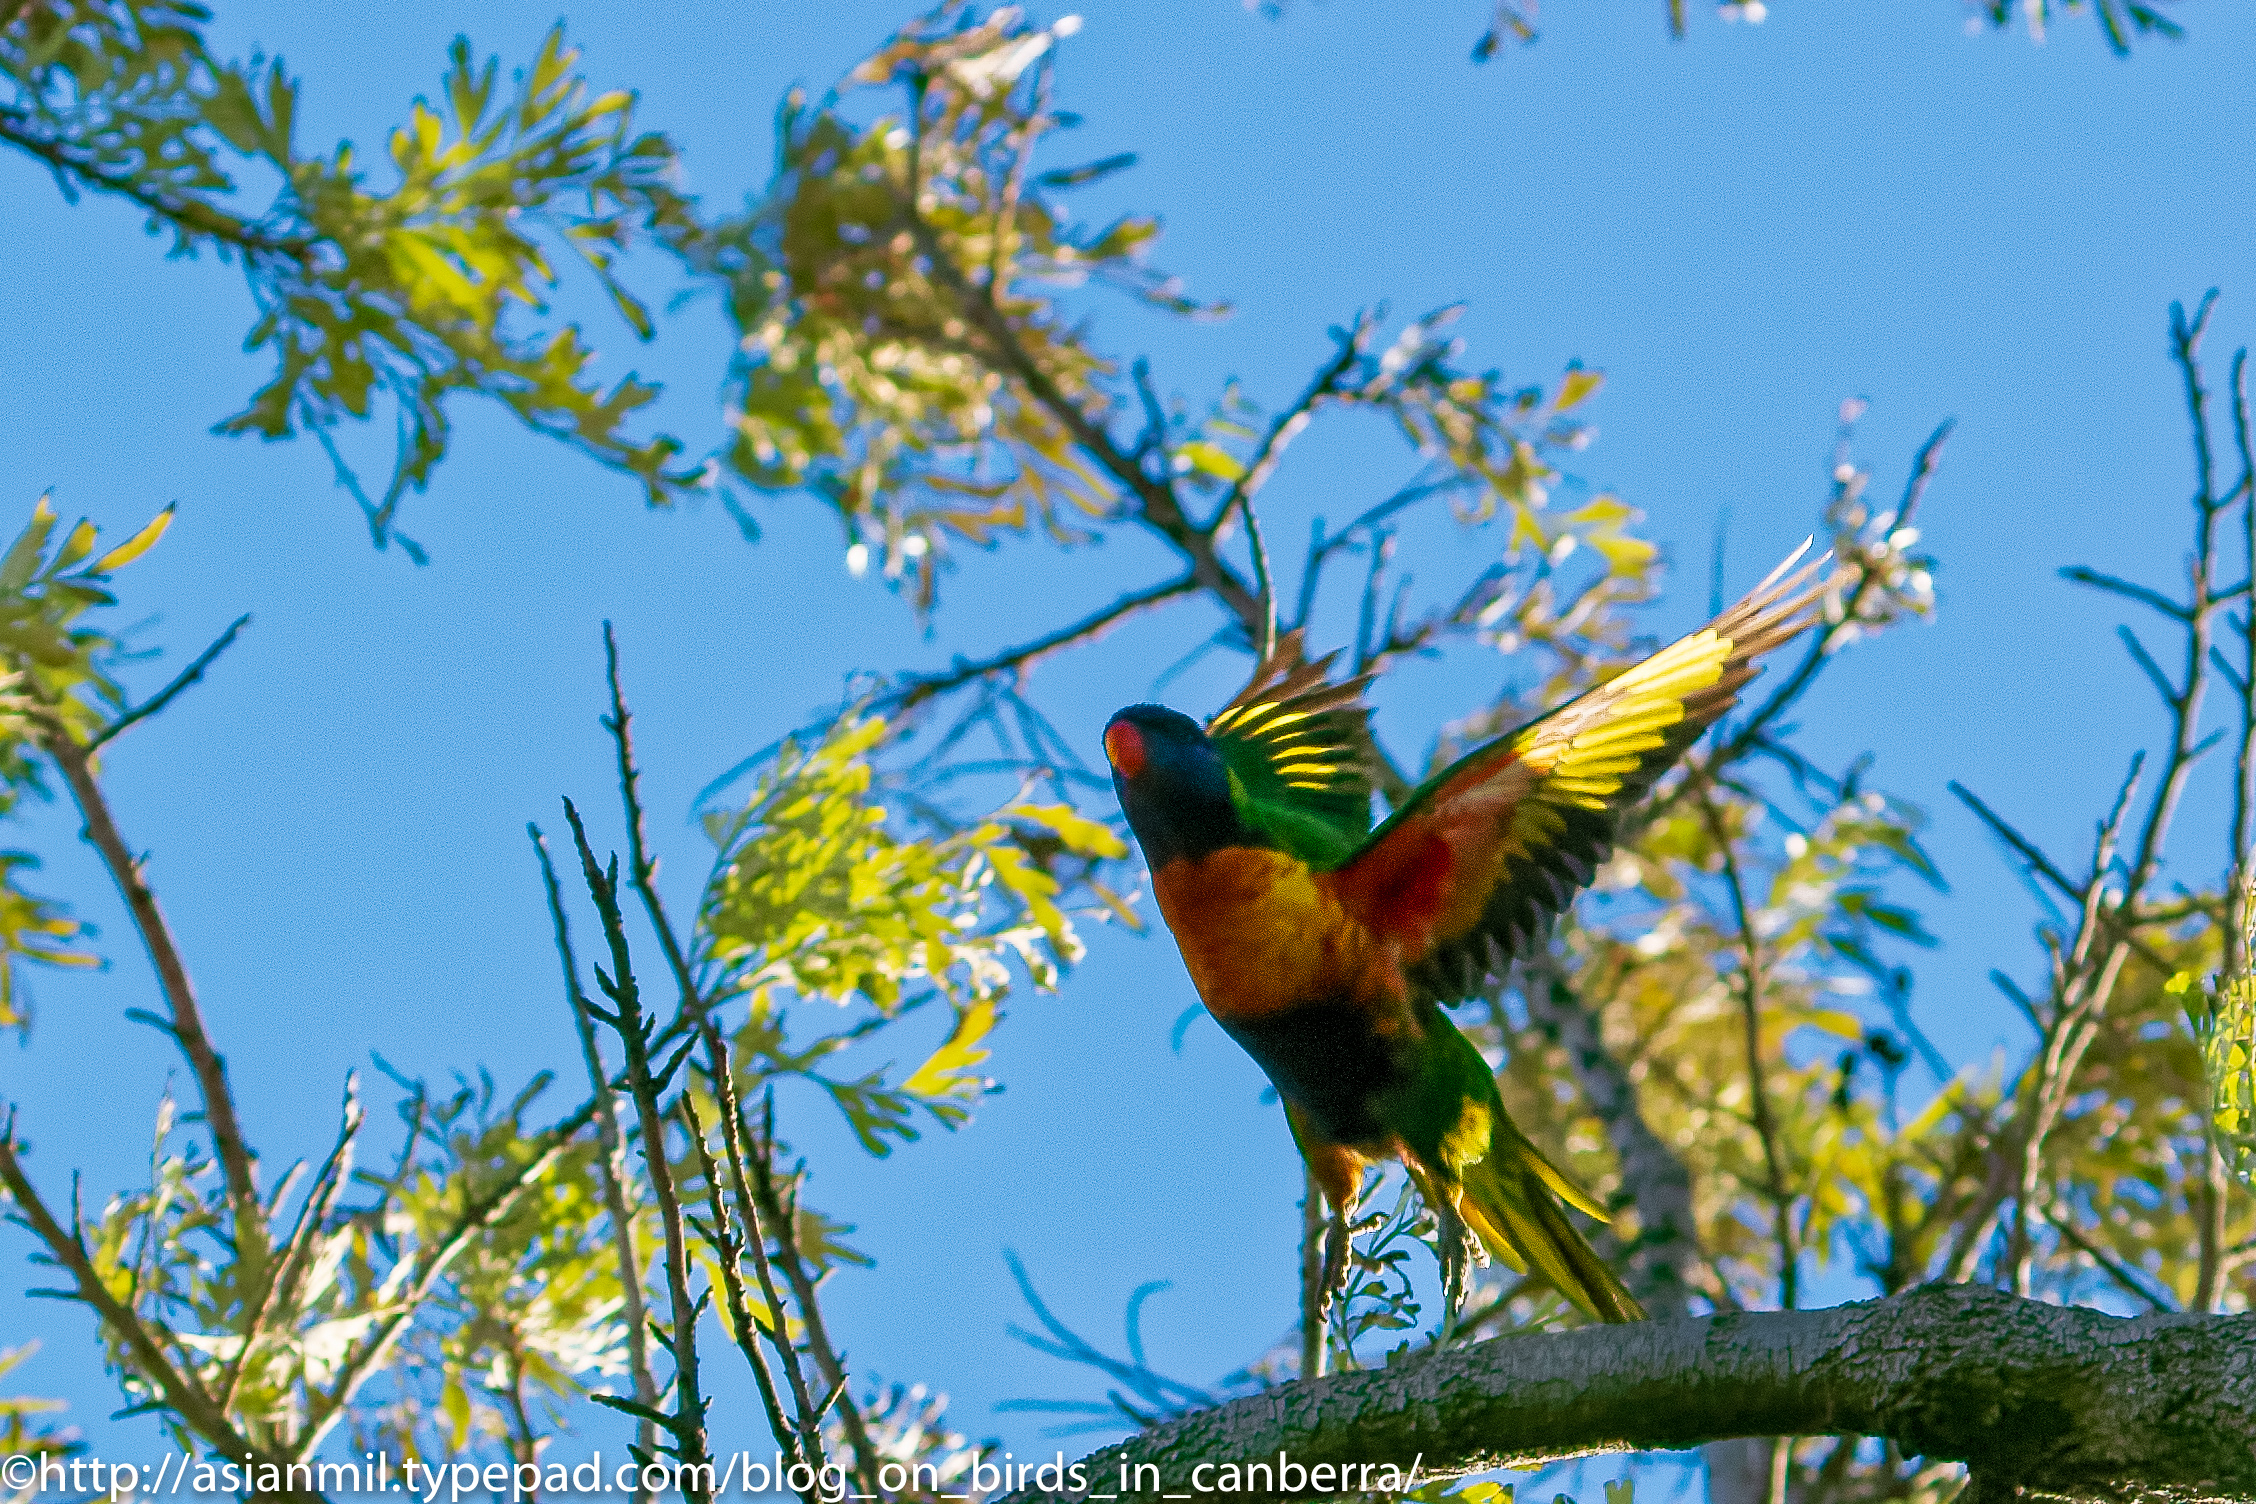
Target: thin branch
759,1227
687,1423
297,1249
186,1020
1821,642
2131,1284
923,687
2244,764
2168,692
612,1166
2023,847
728,1248
642,868
1289,424
1313,1225
165,696
2185,706
779,1218
2082,575
190,216
1158,508
1750,1007
183,1395
413,1294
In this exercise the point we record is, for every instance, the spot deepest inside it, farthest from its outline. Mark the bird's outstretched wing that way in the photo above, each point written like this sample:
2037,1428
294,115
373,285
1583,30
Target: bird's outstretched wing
1465,876
1298,747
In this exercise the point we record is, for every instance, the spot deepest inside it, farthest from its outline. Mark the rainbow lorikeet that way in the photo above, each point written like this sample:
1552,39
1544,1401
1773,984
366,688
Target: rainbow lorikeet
1328,949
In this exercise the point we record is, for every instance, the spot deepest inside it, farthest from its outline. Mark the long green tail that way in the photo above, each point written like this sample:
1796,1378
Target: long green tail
1512,1201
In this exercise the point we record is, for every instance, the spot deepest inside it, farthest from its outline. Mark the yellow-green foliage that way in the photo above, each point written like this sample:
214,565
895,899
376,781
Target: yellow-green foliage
433,286
815,896
54,681
2225,1032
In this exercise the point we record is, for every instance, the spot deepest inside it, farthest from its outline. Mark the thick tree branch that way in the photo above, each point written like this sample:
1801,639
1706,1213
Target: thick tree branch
2064,1401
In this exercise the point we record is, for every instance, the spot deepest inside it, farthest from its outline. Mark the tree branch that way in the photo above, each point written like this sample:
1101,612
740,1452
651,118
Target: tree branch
186,1021
2067,1401
612,1168
191,217
170,692
183,1395
1821,642
1158,508
922,687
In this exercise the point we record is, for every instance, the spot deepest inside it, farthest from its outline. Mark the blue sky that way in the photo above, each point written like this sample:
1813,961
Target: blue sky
1742,229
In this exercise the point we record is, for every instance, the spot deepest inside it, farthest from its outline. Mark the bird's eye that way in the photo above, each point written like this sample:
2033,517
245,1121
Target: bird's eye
1124,744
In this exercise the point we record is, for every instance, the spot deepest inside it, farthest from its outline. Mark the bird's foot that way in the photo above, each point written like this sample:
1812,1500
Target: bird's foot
1461,1251
1338,1246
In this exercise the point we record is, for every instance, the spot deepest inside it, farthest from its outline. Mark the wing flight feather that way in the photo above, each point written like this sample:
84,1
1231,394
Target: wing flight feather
1469,872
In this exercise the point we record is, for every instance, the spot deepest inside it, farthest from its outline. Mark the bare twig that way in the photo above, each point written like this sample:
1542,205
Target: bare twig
611,1168
922,687
728,1246
165,696
642,868
2124,1277
1289,423
185,1021
633,1025
2154,599
1750,1008
2083,982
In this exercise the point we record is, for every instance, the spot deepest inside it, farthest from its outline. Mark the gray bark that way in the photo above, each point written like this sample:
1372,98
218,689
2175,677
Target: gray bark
2045,1400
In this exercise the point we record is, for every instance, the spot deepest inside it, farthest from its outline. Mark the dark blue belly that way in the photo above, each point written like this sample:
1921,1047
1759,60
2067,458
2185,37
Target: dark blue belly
1330,1064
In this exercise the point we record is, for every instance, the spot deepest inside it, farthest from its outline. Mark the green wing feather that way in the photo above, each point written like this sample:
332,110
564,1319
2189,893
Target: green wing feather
1298,747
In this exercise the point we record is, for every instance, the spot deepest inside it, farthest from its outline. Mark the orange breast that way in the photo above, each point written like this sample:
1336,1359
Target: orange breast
1259,933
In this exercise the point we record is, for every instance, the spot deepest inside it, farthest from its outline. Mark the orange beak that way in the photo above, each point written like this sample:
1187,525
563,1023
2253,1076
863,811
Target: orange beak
1124,744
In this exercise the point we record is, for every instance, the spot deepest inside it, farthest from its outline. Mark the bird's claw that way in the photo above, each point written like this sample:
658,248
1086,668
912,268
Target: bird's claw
1460,1252
1338,1244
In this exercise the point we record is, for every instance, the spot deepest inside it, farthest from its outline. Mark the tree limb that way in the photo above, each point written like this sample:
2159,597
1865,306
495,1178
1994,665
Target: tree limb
921,687
2064,1401
186,1021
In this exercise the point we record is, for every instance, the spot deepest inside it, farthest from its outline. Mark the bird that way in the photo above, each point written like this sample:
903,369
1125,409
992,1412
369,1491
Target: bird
1329,949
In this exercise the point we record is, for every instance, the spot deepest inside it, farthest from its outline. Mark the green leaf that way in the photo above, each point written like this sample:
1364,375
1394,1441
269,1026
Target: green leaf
1578,385
945,1074
23,558
134,547
1210,459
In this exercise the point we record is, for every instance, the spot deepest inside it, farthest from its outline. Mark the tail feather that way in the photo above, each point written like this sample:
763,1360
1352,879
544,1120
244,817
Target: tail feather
1508,1201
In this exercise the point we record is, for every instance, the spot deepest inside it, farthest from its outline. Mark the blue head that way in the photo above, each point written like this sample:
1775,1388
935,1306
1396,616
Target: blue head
1173,785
